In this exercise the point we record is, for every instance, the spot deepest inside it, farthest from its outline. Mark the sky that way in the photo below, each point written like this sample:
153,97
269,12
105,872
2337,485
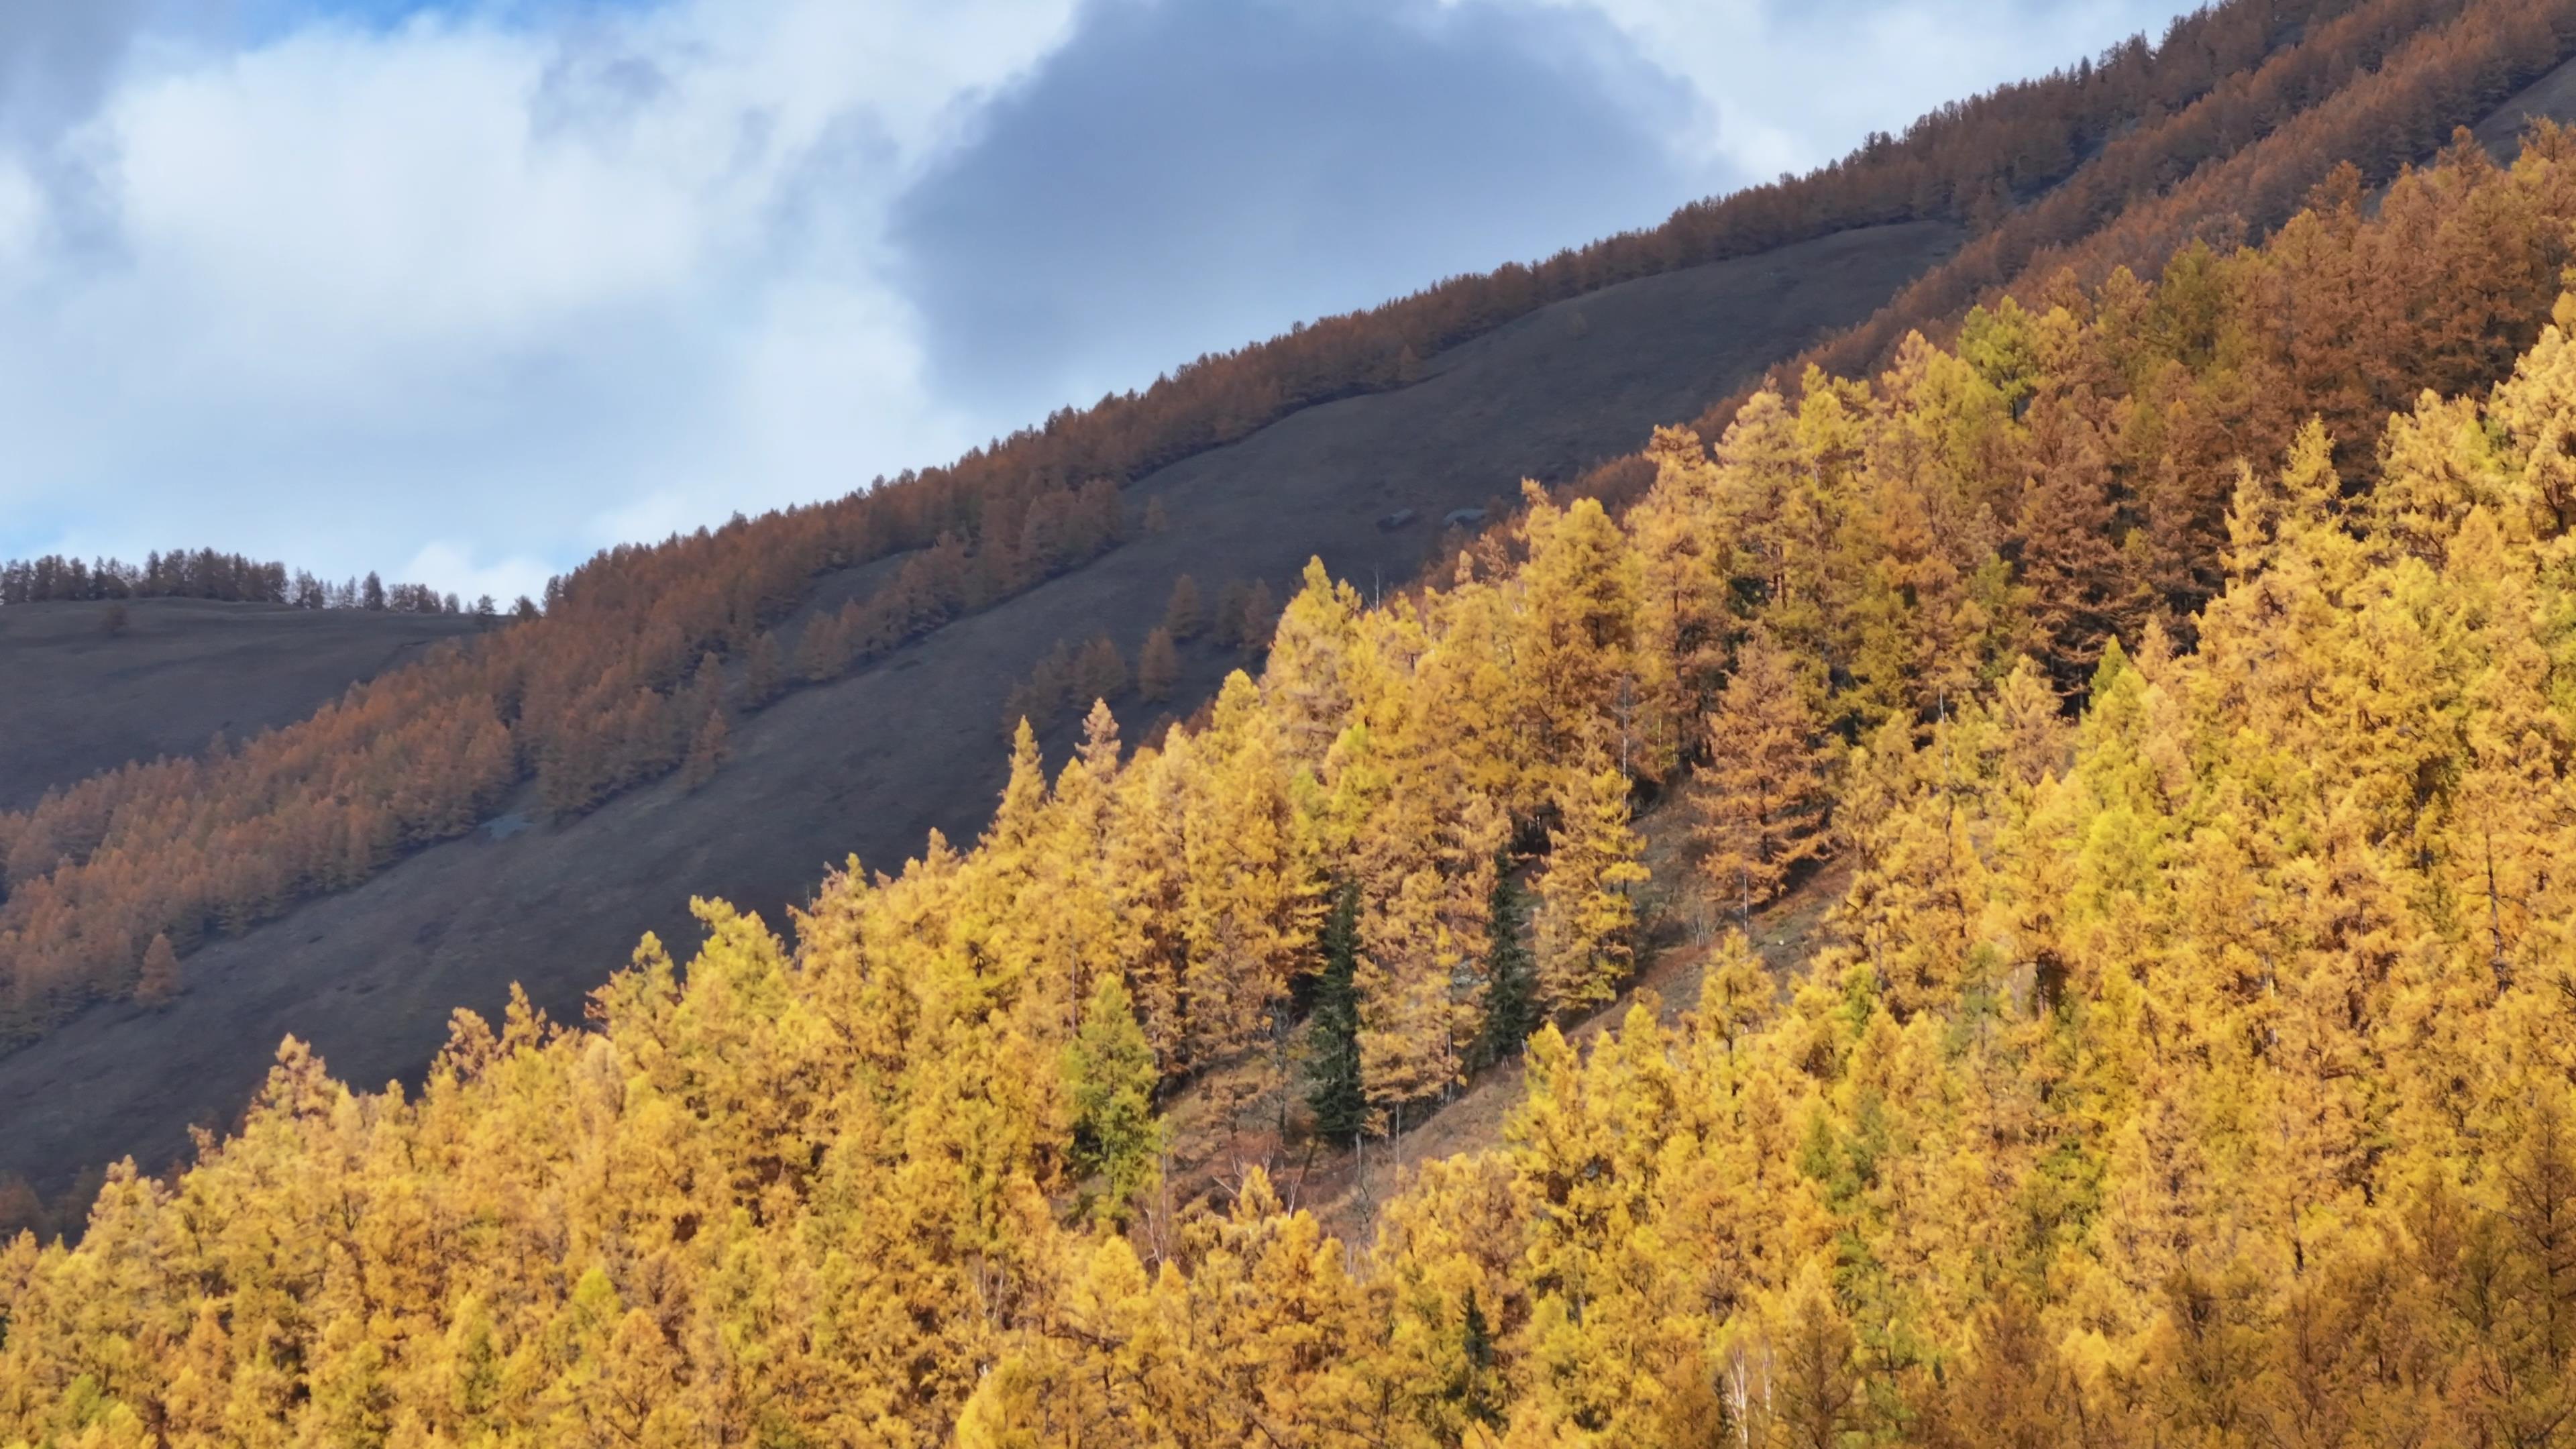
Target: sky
465,290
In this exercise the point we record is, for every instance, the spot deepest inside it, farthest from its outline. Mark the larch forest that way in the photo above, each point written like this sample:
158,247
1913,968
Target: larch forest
2167,674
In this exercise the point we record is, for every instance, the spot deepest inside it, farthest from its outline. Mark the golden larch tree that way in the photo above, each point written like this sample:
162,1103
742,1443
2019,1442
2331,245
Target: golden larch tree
158,983
1761,797
1586,897
1158,666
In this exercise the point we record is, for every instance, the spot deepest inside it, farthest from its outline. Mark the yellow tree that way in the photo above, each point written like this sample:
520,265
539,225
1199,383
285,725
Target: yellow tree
1579,621
1146,872
1252,900
1406,965
1077,940
1303,681
2071,563
1587,911
1683,615
1761,798
2537,411
1928,587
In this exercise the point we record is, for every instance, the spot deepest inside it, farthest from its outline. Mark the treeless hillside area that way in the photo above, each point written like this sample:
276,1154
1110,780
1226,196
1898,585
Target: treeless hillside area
82,699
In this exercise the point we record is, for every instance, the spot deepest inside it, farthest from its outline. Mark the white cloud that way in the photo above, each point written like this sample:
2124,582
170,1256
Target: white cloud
457,571
521,290
22,216
1791,84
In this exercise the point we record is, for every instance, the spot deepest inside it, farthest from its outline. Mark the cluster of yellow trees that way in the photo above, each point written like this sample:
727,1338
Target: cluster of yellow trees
2250,102
2198,1070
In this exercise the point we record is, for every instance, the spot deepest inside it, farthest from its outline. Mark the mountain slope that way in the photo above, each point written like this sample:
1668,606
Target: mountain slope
2550,98
2242,68
870,763
608,689
80,701
2190,1070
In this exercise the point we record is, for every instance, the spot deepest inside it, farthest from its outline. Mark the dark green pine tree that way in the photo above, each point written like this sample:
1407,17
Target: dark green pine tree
1476,1388
1334,1091
1511,980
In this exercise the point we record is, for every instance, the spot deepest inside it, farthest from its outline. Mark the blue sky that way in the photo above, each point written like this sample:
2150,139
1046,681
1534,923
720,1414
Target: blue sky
366,12
264,18
465,291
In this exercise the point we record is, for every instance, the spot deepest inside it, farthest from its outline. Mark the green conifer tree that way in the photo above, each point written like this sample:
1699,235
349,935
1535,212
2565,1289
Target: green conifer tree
1511,976
1109,1079
1335,1092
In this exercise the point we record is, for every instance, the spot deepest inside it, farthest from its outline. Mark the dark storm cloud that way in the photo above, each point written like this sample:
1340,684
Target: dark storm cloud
1187,175
57,58
58,61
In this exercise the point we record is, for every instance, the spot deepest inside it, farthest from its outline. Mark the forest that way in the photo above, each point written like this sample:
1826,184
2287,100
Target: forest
641,661
2179,665
2372,86
229,578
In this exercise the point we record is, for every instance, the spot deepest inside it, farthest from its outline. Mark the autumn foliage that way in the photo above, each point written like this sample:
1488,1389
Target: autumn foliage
2367,90
591,698
2187,1061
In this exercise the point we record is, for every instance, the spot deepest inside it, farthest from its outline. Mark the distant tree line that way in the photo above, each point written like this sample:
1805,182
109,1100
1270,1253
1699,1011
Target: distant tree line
207,574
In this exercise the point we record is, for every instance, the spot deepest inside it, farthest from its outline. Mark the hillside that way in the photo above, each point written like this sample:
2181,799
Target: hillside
2182,1058
623,679
870,763
80,701
2550,98
2257,96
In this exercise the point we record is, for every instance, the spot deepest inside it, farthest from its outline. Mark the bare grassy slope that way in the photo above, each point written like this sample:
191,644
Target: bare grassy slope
75,700
872,762
2550,98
